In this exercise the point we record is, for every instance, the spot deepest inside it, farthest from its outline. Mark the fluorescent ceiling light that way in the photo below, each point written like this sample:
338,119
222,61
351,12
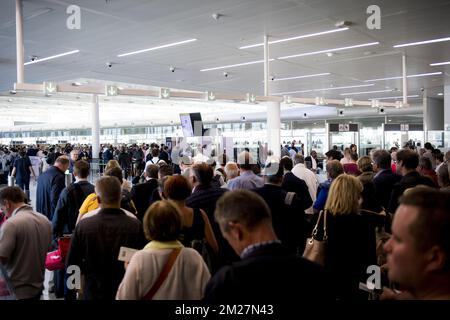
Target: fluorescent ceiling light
52,57
301,77
399,97
329,50
421,42
156,48
439,63
326,89
440,94
295,38
410,76
363,92
235,65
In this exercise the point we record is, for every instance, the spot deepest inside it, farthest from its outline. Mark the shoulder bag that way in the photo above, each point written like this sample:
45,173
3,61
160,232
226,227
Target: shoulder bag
315,249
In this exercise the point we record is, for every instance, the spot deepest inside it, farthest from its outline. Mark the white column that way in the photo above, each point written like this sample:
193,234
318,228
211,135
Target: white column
19,42
273,127
447,115
95,127
405,84
266,65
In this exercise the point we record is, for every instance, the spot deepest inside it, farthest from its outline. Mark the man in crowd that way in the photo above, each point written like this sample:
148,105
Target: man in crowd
418,253
301,172
334,169
267,271
247,179
49,187
96,242
24,241
311,161
141,193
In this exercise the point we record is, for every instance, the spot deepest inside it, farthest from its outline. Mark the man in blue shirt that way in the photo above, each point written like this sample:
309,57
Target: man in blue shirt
334,169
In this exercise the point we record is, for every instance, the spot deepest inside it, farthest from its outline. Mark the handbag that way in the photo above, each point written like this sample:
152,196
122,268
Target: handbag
56,260
315,249
163,275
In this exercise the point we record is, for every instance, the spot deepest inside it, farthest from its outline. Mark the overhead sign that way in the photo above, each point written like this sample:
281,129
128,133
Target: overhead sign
111,90
404,127
344,127
251,98
164,93
210,96
50,87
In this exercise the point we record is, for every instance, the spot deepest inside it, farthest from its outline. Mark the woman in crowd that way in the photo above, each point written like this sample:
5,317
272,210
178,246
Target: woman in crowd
351,238
126,185
443,177
195,222
188,274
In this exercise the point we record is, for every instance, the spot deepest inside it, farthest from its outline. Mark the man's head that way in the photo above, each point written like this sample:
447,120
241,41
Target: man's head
365,164
81,169
109,192
425,164
115,172
286,163
428,146
334,169
313,154
155,152
298,158
273,173
407,161
10,199
242,215
381,160
164,171
151,171
74,154
231,170
62,163
443,175
418,252
201,174
245,161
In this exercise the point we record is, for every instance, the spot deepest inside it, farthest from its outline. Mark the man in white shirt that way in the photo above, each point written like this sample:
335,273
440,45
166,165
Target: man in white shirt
308,176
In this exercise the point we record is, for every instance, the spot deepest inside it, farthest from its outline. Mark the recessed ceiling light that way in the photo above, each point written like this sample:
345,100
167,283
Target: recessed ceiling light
156,48
389,120
440,94
301,77
439,63
329,50
295,38
410,76
421,42
363,92
235,65
51,57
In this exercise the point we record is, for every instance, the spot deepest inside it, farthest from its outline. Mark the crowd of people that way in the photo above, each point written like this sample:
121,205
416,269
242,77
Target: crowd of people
207,227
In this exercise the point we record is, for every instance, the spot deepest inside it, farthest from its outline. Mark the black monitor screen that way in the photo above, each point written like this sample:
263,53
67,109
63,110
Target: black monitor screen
192,124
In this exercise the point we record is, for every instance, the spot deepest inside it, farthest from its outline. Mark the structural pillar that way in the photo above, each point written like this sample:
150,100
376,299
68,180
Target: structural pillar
95,127
447,114
433,115
405,82
19,42
273,127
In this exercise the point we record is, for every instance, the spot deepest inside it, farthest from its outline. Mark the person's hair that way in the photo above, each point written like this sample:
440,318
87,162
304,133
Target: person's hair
155,152
81,169
152,171
162,222
109,190
354,156
112,164
444,175
439,156
447,156
365,164
13,194
22,153
343,197
298,158
165,170
347,151
231,170
244,207
62,160
115,172
432,224
351,147
382,159
425,163
203,173
286,163
176,188
333,154
428,146
334,168
409,159
245,160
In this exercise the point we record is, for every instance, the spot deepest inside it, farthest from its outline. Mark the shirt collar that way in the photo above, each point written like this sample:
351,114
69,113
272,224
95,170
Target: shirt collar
20,208
163,245
380,172
255,246
247,173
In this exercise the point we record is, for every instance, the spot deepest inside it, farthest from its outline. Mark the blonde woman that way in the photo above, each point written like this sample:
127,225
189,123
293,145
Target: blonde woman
351,238
126,185
188,274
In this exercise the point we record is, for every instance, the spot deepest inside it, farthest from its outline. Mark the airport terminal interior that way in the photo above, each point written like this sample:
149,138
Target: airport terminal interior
225,151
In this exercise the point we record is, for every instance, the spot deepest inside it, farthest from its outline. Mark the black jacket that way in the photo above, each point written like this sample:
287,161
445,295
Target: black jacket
49,187
288,219
409,180
268,274
95,248
291,183
69,203
141,194
383,185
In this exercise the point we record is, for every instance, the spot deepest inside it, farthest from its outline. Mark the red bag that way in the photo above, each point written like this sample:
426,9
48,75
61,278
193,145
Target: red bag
56,260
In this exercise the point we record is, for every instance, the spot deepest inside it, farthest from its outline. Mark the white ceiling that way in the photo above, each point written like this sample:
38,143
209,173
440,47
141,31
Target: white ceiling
112,27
